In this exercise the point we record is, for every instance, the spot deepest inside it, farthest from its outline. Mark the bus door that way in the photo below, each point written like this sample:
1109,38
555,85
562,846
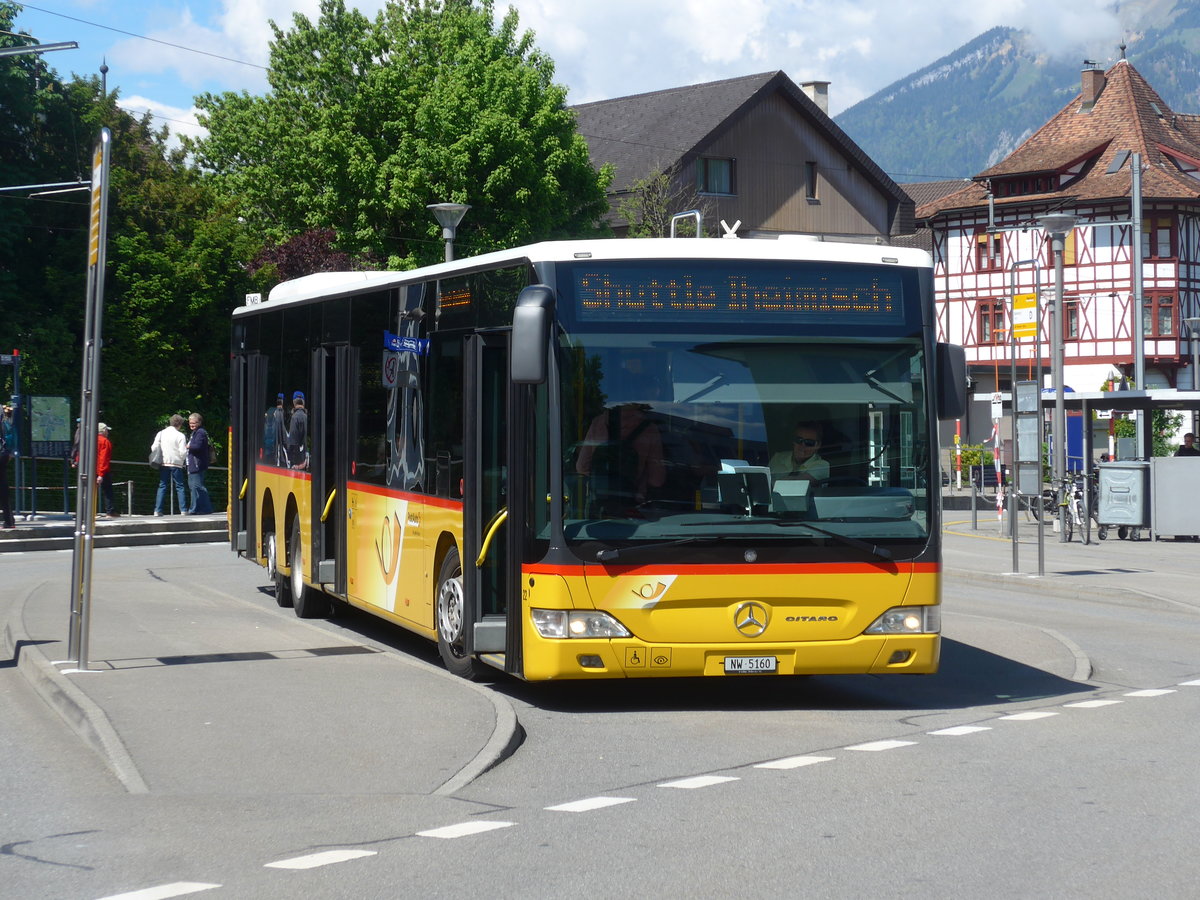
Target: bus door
248,384
492,453
331,425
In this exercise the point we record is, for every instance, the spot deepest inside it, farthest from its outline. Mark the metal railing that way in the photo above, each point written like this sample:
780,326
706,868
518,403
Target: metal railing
134,482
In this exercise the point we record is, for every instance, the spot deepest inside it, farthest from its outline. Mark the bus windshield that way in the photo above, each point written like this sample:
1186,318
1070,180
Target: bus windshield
717,441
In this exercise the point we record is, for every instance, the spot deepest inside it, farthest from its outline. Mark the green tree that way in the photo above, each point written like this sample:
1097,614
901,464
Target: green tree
367,122
175,254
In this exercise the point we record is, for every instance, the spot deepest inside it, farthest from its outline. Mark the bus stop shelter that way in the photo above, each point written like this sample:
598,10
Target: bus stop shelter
1169,485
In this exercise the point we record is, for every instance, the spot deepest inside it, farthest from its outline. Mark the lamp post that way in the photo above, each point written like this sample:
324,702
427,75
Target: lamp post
1057,225
1193,324
448,216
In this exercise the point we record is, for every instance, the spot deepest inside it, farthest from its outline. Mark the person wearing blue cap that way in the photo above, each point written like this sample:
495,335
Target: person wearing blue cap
297,433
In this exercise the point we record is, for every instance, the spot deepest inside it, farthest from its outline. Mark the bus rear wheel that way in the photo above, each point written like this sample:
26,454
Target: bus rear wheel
308,602
283,589
450,609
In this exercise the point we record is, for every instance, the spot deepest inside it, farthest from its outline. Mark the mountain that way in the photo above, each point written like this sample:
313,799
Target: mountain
971,108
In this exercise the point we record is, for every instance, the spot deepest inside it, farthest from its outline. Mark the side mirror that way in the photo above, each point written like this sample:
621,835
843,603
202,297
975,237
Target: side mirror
530,345
951,380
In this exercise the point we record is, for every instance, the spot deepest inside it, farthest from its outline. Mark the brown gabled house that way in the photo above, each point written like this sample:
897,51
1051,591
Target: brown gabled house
986,241
758,150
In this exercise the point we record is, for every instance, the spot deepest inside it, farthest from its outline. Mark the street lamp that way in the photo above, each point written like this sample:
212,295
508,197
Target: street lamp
38,48
1058,225
448,216
1193,324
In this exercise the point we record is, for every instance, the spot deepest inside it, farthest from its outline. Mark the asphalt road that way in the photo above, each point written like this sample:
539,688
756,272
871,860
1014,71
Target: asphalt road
986,780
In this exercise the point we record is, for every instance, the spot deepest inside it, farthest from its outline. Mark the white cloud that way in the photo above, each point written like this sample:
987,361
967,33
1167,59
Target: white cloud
619,47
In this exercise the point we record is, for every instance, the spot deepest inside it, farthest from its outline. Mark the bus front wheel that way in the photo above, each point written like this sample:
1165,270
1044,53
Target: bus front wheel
451,619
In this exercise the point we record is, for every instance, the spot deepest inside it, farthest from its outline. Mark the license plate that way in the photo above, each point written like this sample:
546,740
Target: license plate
744,664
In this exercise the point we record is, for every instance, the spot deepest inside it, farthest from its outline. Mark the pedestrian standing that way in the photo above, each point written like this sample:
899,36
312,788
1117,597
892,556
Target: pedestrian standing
173,446
197,465
7,443
104,472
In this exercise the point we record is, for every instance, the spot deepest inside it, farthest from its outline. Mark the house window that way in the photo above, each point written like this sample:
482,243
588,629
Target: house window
810,180
1158,238
1158,316
989,314
714,176
1070,318
989,255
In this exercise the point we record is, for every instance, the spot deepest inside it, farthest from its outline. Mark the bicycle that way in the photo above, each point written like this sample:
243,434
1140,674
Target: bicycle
1077,517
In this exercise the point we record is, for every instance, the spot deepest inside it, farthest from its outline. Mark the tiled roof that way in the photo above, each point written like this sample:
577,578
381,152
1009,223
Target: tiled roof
647,133
1128,115
923,192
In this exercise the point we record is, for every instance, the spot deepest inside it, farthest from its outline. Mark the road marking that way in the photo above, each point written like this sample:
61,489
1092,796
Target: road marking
794,762
1195,683
590,804
163,891
1151,692
1029,716
958,730
1092,704
316,860
698,781
876,746
463,829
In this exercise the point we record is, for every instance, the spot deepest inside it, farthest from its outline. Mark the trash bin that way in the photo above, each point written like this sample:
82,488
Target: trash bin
1174,489
1124,497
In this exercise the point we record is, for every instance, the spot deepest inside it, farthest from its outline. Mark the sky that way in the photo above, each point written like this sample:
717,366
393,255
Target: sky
600,49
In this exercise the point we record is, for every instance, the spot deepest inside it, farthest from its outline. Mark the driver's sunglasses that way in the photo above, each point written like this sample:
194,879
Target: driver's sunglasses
805,442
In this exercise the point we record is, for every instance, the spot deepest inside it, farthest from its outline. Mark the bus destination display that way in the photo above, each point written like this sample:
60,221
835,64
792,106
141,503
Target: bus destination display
830,293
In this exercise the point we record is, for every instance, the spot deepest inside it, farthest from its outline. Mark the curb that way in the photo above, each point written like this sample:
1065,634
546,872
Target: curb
81,715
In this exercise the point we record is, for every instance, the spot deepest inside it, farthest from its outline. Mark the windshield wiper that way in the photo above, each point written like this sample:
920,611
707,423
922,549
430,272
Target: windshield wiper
611,553
865,546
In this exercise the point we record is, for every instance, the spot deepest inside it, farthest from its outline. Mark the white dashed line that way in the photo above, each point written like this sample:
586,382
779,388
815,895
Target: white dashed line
590,804
1029,716
699,781
1152,692
316,860
959,730
1092,704
877,746
794,762
463,829
1195,683
164,891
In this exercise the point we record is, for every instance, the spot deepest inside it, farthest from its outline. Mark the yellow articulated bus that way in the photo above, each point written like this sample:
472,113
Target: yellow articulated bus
607,458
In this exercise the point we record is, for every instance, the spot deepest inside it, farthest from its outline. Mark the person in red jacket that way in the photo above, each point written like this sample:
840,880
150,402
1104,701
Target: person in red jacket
104,472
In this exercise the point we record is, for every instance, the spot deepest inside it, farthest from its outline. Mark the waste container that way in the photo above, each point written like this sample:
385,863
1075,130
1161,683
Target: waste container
1174,490
1123,497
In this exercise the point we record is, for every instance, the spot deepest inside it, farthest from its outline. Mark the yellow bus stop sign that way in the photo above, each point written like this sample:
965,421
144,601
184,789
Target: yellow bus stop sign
1024,316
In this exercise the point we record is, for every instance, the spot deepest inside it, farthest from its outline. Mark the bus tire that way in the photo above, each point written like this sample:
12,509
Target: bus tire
450,612
308,602
283,589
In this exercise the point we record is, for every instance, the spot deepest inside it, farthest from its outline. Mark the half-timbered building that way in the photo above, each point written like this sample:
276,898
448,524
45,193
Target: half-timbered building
987,243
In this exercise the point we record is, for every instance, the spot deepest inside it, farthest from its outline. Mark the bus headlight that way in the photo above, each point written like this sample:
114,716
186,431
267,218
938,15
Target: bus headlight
908,620
564,623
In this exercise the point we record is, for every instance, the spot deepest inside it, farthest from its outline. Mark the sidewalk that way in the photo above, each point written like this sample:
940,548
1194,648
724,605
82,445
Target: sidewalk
201,692
1166,570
